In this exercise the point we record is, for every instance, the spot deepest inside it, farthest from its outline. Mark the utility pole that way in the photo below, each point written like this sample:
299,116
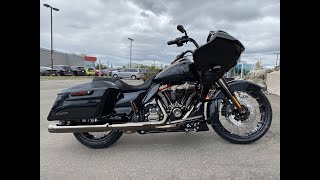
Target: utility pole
241,70
130,50
277,58
99,67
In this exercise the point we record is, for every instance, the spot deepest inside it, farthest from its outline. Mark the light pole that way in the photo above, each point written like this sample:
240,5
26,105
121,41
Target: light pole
56,9
277,58
130,50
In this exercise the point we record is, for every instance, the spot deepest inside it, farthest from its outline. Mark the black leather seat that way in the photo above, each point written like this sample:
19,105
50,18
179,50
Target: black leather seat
124,87
129,88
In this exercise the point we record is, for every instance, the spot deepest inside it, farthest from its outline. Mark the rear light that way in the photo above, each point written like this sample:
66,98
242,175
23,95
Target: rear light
81,93
138,73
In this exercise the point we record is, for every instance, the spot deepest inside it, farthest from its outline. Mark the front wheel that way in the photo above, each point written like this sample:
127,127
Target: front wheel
244,128
97,140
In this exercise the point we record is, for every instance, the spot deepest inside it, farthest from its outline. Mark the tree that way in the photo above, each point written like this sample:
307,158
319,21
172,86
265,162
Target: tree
143,66
258,65
102,66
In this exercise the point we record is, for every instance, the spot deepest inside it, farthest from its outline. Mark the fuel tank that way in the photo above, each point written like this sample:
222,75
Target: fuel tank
179,72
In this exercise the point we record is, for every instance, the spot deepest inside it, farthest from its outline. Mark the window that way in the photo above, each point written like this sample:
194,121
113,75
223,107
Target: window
132,70
90,69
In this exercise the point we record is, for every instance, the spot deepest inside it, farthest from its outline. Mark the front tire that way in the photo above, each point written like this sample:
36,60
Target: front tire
256,130
92,140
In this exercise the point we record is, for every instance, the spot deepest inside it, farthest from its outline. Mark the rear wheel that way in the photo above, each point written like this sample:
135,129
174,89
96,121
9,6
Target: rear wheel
133,77
244,128
98,140
115,76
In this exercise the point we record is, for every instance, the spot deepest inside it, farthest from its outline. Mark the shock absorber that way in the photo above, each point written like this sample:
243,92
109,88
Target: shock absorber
225,89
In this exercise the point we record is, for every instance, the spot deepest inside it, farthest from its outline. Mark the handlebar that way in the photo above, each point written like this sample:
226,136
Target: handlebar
184,39
177,40
172,42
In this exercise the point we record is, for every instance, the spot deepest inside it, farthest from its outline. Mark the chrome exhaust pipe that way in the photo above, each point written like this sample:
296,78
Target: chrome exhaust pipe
55,128
190,119
175,124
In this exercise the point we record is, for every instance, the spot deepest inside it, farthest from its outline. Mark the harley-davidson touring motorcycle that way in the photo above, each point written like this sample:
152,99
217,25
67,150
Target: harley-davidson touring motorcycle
186,96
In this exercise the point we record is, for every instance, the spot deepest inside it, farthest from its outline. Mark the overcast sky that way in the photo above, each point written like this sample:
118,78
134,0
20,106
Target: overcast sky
101,27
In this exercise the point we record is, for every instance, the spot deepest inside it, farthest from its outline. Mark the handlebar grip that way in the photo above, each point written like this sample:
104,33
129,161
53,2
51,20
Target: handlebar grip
172,42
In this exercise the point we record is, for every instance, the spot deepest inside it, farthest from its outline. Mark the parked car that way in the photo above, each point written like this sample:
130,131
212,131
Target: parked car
133,73
90,71
63,70
97,71
113,71
78,70
106,72
43,70
46,71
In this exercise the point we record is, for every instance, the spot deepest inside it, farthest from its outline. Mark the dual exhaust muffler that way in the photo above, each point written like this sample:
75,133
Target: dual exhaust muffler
56,128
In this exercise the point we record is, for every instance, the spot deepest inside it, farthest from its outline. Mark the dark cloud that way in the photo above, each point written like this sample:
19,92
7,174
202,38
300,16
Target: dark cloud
144,14
156,7
102,28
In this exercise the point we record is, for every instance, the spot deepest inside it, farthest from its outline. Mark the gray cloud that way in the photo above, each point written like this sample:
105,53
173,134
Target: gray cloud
101,28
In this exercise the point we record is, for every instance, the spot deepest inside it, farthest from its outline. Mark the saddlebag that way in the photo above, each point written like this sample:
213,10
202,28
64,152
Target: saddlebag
85,101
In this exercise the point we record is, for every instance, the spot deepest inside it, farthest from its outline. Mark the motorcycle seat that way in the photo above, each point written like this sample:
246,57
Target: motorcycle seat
124,87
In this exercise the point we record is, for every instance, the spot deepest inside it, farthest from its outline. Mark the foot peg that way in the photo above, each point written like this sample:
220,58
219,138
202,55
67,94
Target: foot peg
202,127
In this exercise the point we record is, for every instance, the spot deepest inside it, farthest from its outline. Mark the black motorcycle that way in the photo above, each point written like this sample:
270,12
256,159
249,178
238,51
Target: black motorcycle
186,96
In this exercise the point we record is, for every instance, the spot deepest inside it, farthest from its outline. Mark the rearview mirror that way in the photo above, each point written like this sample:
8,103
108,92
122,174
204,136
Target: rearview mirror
181,28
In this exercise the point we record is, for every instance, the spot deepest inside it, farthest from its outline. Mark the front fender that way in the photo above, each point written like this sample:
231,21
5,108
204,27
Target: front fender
236,85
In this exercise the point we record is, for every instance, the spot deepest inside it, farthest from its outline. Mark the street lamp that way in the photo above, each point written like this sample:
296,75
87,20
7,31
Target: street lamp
130,50
56,9
277,58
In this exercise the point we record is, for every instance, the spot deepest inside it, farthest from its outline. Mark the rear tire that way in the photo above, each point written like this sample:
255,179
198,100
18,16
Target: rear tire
90,141
115,76
133,77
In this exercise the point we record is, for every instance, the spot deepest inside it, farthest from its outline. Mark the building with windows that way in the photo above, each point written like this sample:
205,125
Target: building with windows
241,69
69,59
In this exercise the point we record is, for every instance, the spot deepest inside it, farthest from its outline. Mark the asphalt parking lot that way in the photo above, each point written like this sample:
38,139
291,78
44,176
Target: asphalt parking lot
188,155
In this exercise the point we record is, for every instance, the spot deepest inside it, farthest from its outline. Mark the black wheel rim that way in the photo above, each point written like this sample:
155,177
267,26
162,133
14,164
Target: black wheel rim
254,125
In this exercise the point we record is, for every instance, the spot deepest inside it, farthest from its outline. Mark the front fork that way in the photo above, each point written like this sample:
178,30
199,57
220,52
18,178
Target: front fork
225,89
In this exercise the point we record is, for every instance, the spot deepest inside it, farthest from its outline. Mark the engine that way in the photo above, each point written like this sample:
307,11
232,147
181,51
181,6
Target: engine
152,111
177,100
